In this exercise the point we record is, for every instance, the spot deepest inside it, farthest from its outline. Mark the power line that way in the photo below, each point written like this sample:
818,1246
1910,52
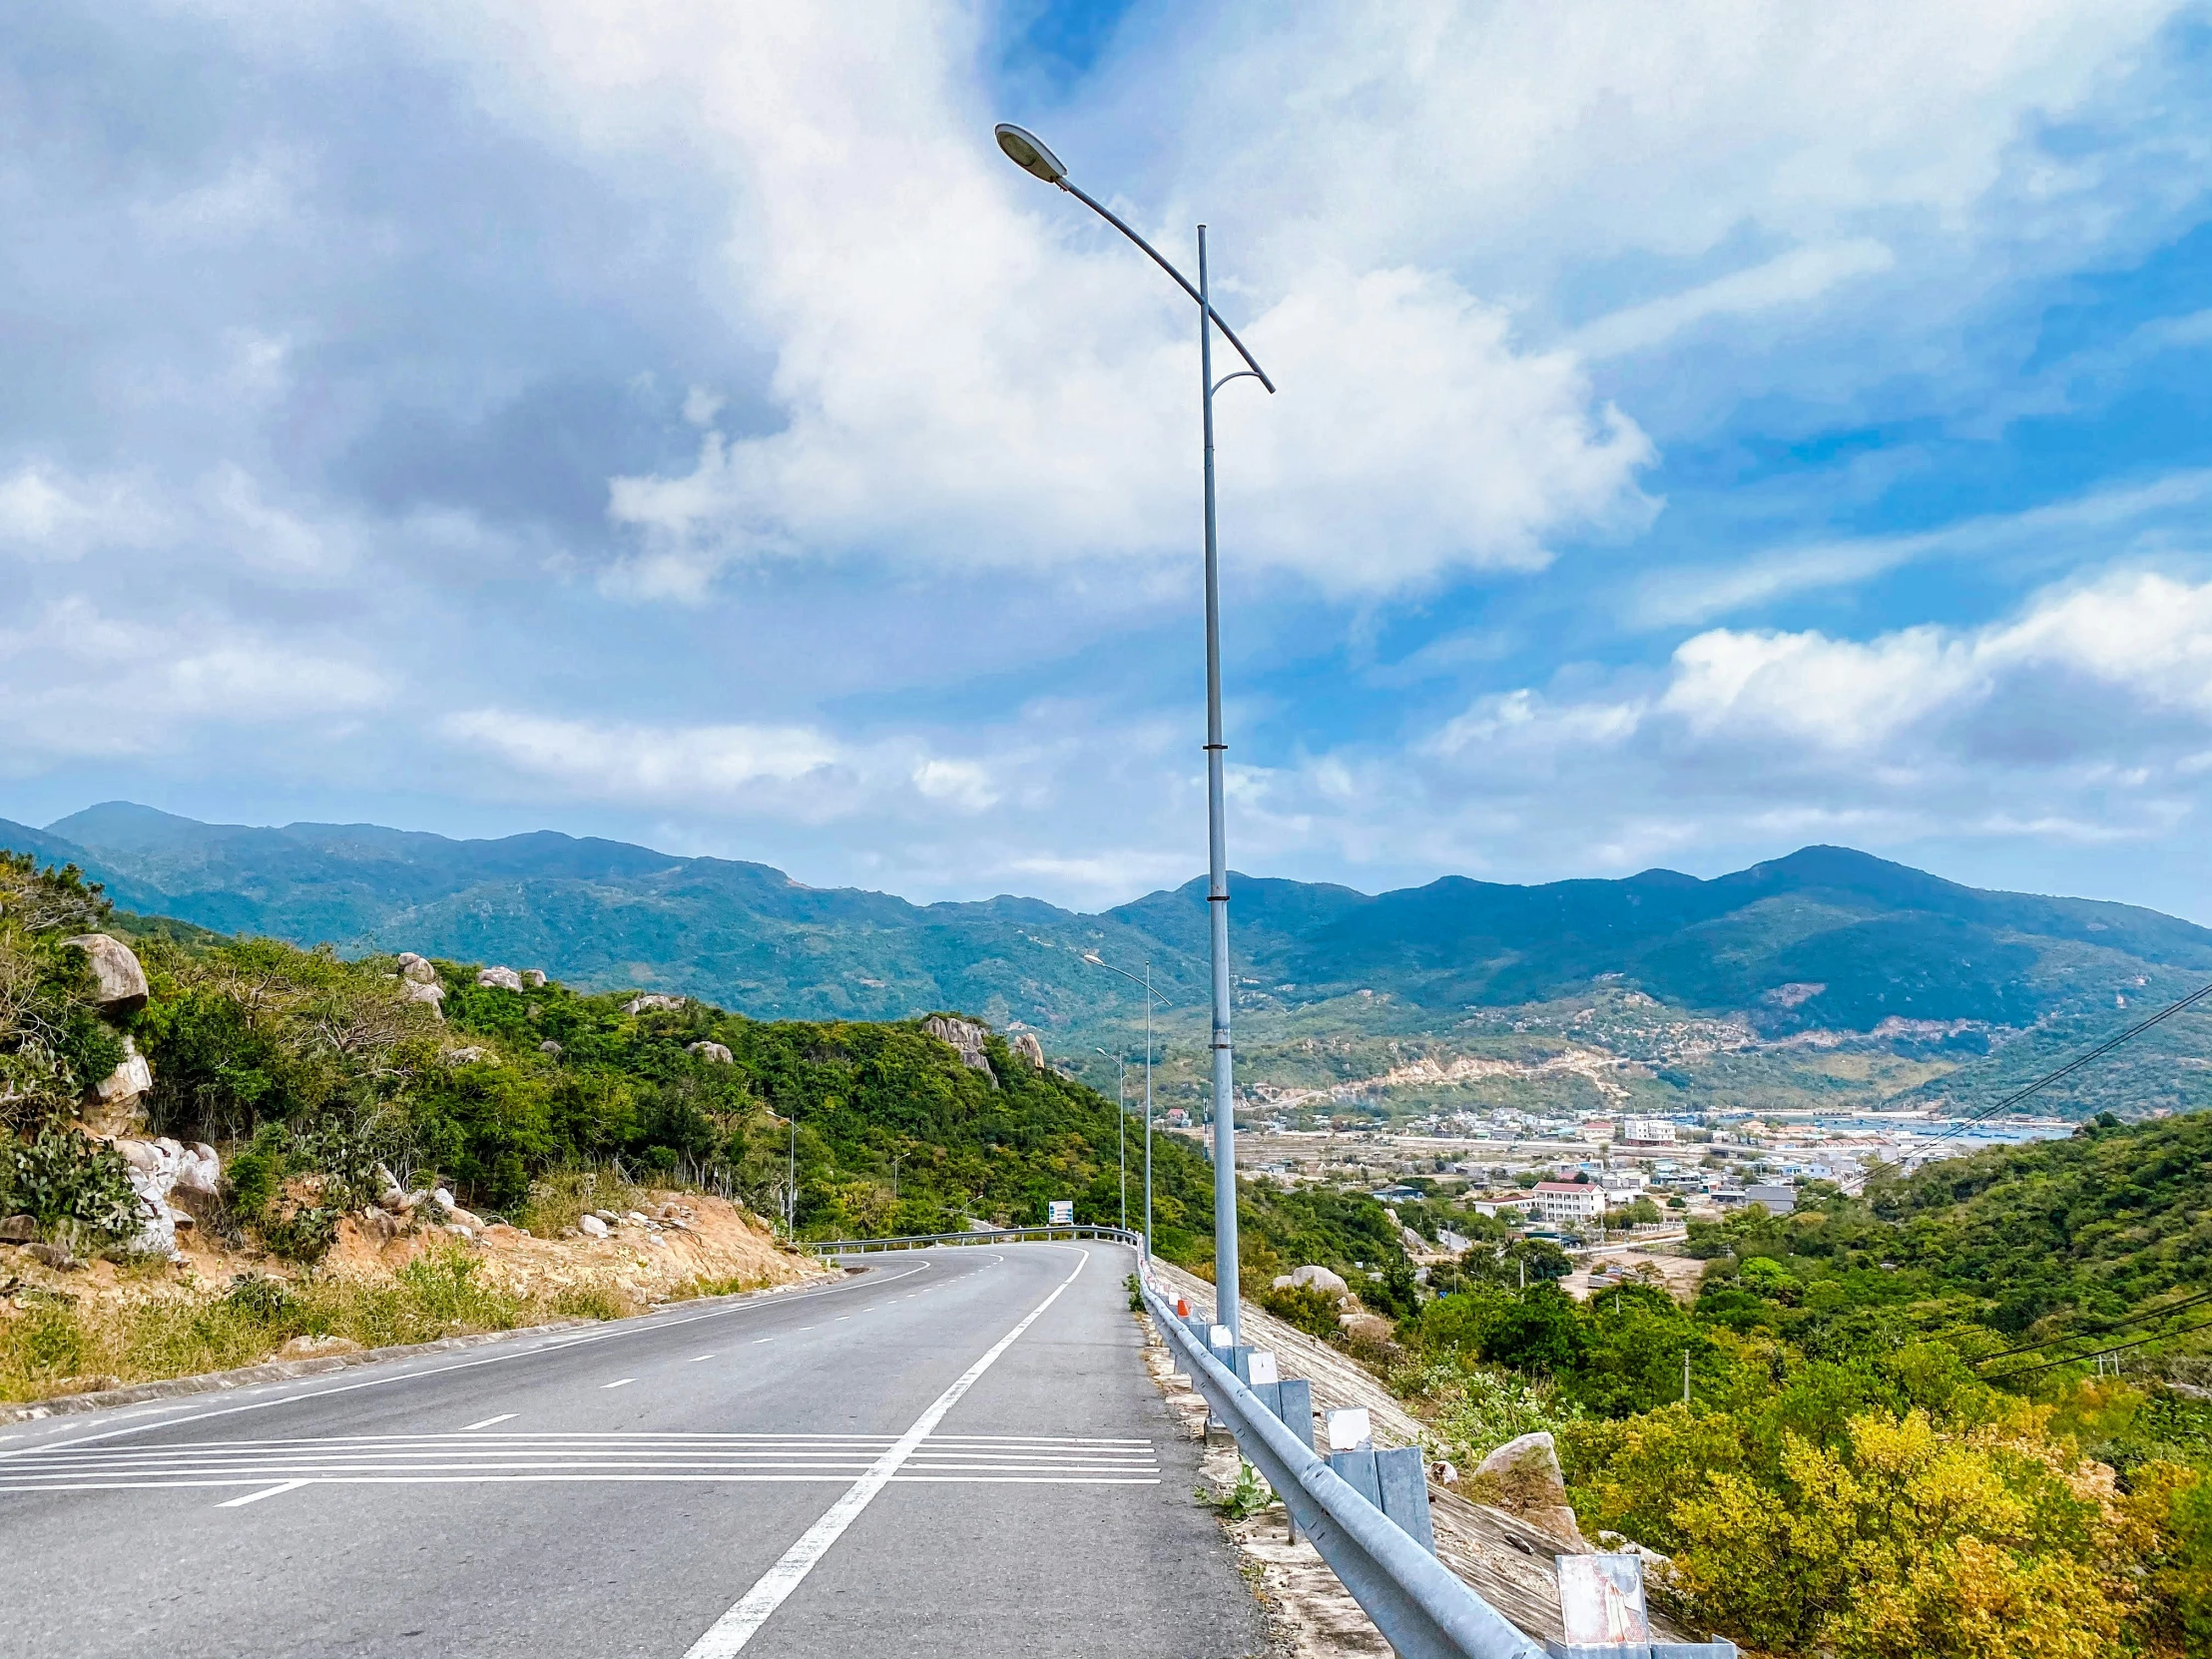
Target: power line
2117,1347
2073,1065
2109,1327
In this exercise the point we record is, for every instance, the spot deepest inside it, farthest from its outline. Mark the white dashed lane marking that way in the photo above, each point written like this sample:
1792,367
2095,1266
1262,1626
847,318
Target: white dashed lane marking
619,1382
267,1491
504,1417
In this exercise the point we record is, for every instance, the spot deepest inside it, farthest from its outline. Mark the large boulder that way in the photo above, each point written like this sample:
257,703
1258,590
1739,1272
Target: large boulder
534,978
716,1053
651,999
1523,1478
121,982
499,979
1316,1277
429,993
1025,1045
417,968
112,1104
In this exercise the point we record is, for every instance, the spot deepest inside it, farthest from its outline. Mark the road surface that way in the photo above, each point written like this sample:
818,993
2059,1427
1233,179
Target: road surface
956,1452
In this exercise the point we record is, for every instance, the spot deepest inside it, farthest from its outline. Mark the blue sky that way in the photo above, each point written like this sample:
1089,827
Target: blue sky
1702,433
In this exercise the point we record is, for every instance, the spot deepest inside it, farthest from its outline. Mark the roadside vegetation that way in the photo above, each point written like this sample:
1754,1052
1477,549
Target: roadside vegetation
1890,1446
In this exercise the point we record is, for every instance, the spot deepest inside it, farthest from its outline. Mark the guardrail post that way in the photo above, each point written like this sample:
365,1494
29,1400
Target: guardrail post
1402,1472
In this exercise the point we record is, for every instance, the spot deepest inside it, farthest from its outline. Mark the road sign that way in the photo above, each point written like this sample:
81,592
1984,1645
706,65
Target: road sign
1059,1211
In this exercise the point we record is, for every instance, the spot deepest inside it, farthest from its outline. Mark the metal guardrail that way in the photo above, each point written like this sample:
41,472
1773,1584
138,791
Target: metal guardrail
1000,1235
1422,1608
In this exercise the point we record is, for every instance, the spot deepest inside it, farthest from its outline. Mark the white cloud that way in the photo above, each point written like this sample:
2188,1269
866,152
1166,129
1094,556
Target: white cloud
79,681
1791,279
794,774
970,375
46,514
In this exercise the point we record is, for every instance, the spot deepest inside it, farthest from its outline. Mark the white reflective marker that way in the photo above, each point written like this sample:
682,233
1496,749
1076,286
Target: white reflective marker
1350,1430
1262,1366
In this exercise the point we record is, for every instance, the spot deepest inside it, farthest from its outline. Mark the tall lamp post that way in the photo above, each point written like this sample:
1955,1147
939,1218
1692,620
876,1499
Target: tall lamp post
1028,153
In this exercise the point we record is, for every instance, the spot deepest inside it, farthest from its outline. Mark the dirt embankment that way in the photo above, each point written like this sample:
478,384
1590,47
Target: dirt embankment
81,1328
671,1244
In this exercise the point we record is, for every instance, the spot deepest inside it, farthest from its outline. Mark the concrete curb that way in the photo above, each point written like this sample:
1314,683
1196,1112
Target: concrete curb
284,1371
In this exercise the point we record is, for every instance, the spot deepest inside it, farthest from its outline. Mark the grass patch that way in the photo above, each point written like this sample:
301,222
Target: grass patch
736,1284
563,1197
59,1345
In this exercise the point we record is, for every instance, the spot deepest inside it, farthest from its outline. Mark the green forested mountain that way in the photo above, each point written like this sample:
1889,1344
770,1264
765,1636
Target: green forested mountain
1826,939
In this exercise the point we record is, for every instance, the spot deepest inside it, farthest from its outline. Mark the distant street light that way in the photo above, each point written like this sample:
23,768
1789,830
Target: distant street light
1150,997
1027,152
1121,1127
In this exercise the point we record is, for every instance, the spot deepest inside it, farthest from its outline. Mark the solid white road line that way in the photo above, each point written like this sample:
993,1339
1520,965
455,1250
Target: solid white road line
734,1629
265,1491
504,1417
619,1382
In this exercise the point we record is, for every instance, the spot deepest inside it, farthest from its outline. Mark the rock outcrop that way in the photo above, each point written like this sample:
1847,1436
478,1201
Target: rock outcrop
1523,1478
416,969
966,1037
652,1000
1026,1045
534,978
160,1169
428,992
715,1052
111,1105
499,979
121,982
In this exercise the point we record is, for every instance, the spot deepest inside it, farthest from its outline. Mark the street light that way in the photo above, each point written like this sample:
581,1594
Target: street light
1027,152
1121,1127
1093,957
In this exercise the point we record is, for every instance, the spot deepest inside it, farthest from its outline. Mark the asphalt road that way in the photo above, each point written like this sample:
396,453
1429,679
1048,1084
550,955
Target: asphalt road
954,1453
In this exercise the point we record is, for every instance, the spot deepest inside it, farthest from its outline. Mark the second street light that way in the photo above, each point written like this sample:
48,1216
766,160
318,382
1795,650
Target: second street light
1152,1000
1121,1127
1028,153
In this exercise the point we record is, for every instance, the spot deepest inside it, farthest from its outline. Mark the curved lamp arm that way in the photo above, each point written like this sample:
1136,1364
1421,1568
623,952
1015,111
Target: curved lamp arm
1027,152
1110,217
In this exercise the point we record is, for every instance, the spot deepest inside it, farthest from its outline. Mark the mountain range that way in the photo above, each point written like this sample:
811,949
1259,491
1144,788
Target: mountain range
1826,939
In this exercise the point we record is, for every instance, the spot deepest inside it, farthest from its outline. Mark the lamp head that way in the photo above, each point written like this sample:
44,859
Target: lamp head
1027,152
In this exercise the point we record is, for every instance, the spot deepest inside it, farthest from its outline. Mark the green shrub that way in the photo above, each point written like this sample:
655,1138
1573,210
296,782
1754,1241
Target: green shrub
68,1182
1310,1309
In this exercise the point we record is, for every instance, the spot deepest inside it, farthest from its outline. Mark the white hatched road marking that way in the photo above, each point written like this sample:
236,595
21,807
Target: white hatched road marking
466,1458
730,1633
